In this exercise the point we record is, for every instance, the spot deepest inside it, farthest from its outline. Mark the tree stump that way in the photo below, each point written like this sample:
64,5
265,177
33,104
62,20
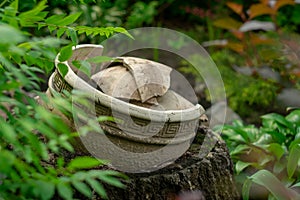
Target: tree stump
211,175
205,168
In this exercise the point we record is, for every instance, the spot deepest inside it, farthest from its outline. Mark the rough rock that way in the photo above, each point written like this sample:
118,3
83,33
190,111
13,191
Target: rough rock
265,72
289,97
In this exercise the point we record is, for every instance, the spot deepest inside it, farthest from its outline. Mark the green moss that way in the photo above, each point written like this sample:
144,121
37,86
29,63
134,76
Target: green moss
245,93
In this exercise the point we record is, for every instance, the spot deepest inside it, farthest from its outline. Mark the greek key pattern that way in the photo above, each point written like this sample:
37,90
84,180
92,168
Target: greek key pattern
60,84
142,127
133,125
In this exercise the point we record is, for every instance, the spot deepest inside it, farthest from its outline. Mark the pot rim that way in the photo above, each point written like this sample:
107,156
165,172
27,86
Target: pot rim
121,106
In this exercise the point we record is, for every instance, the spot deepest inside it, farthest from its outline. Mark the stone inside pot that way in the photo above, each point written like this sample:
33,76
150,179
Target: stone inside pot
141,82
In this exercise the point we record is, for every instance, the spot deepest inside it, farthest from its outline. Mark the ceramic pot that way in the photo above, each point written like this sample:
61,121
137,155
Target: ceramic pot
142,139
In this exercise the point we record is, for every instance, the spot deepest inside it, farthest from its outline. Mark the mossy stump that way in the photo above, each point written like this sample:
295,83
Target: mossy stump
212,175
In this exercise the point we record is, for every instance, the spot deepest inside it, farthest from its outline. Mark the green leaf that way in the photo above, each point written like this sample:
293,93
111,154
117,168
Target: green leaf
106,118
293,160
46,189
29,18
54,19
73,35
107,31
60,162
263,139
69,19
63,69
271,183
29,154
80,176
63,141
279,119
241,132
108,177
112,181
278,137
100,59
65,53
64,190
241,148
294,117
60,32
7,159
276,149
122,30
10,35
51,28
7,132
296,184
84,162
246,189
10,14
264,159
97,187
82,188
83,66
240,166
279,166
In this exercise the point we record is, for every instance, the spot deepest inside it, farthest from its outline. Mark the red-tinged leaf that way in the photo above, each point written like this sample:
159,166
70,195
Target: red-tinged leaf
227,23
281,3
266,2
237,8
237,47
257,40
260,9
297,73
238,34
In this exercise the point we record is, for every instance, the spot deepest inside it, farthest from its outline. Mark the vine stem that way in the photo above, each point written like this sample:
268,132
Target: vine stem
4,2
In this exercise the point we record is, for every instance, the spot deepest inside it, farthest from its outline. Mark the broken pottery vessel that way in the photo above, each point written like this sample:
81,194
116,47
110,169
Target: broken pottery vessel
154,125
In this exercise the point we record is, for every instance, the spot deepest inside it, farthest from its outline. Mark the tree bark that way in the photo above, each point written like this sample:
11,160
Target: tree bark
212,174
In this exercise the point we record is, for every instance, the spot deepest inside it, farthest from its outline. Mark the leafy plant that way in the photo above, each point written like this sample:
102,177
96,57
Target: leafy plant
247,41
32,137
258,35
272,150
246,95
142,13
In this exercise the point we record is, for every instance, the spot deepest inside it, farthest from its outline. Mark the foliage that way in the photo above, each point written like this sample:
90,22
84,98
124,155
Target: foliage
247,41
257,35
142,13
111,13
32,138
245,94
273,150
